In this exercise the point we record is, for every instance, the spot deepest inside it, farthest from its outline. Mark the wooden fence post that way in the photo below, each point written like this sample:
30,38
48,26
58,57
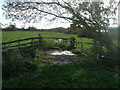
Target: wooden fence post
31,42
19,44
72,43
40,38
76,45
4,45
40,41
82,47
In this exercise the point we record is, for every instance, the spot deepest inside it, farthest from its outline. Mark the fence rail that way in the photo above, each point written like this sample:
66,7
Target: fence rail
72,42
20,40
6,44
83,43
31,39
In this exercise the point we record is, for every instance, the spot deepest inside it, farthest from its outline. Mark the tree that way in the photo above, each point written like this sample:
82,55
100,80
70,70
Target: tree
90,16
10,28
32,28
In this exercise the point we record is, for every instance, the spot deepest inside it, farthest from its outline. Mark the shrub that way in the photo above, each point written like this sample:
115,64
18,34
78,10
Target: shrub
39,56
61,45
14,63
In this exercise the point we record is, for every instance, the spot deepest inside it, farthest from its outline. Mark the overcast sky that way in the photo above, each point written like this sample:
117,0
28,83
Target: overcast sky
41,25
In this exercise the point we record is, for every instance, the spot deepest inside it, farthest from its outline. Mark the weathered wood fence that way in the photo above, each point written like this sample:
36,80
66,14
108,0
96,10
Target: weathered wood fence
7,44
34,40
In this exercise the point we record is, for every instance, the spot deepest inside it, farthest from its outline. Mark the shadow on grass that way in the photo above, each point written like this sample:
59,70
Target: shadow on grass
65,76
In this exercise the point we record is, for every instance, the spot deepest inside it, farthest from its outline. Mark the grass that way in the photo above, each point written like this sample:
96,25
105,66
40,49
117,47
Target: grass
65,76
16,35
84,75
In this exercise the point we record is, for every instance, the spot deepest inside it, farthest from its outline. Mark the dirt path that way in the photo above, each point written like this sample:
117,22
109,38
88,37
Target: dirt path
60,59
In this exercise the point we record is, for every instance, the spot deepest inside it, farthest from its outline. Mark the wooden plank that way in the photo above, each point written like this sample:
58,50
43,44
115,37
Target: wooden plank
17,45
55,38
20,40
83,43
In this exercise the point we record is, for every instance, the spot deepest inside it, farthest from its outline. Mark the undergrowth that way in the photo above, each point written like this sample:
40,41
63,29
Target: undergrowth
65,76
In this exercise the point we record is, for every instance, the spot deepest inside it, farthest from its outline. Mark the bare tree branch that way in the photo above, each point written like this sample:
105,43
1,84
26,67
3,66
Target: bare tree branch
73,11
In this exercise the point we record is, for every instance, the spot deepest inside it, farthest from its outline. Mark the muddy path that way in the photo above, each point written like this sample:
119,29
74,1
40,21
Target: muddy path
60,57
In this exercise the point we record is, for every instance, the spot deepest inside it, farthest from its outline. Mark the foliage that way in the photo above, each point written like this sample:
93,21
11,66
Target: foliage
10,28
19,60
62,45
31,28
66,76
39,56
76,11
59,29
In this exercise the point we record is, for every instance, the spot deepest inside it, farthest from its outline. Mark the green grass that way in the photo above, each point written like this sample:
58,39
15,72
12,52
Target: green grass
85,75
16,35
65,76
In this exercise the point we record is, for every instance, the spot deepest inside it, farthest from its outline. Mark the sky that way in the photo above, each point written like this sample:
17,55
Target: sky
41,25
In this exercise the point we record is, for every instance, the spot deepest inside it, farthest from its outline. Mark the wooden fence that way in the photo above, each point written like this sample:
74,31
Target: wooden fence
34,40
6,44
31,41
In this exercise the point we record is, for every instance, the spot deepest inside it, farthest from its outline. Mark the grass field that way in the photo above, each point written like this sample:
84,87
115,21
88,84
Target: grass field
16,35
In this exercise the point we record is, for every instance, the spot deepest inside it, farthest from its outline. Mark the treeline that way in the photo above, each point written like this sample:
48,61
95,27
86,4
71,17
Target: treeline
62,30
14,28
59,29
